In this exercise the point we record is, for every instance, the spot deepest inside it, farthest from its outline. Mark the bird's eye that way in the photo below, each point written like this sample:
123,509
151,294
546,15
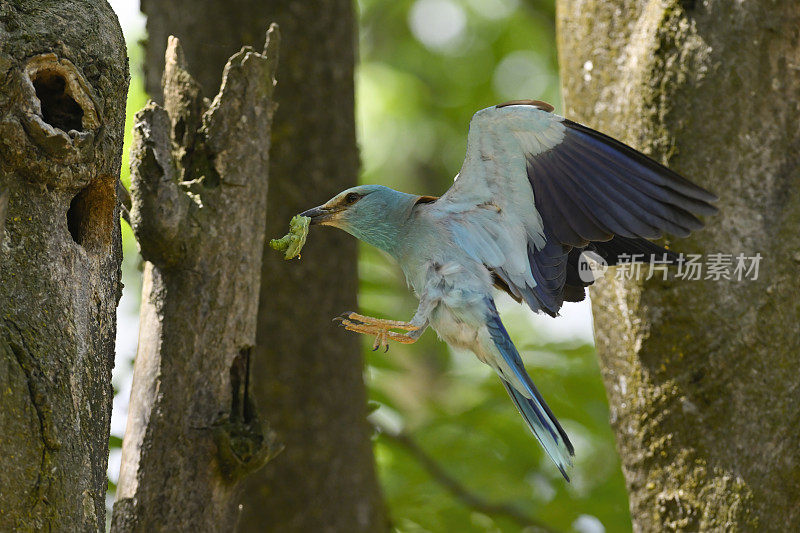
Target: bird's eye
351,198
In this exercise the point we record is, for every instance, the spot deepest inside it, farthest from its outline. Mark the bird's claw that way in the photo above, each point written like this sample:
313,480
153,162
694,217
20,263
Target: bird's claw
376,326
381,341
350,318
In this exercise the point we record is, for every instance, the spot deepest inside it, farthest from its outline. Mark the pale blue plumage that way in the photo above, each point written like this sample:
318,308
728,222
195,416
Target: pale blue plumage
534,190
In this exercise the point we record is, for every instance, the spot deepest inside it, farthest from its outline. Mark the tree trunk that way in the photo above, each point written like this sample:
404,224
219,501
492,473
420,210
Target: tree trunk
62,111
199,194
307,374
702,375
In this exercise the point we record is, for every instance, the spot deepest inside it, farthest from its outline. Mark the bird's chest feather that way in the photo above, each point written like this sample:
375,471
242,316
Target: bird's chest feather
462,328
453,327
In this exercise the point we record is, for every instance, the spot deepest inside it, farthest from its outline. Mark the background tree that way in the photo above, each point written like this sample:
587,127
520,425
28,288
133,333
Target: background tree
702,375
306,375
62,102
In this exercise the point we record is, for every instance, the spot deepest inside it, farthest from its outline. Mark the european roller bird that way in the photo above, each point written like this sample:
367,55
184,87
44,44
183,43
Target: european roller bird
534,192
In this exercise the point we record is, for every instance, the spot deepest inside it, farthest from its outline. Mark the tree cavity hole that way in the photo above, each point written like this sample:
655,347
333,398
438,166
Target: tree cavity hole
90,217
59,108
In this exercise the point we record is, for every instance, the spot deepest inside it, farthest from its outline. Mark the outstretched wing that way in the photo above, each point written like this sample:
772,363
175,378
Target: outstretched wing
534,186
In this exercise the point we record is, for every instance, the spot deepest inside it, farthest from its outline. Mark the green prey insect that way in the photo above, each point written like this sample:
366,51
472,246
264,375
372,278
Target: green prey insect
292,242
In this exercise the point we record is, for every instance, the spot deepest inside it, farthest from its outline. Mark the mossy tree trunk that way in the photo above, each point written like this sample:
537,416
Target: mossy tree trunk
62,110
702,375
306,373
199,192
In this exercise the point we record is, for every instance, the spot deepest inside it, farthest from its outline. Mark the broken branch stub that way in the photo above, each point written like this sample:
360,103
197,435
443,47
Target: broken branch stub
199,185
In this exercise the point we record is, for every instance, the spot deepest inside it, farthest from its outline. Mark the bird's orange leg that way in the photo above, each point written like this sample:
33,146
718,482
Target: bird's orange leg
379,327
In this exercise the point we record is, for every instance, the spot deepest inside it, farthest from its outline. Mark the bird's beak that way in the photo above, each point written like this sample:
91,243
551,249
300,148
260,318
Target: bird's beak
319,214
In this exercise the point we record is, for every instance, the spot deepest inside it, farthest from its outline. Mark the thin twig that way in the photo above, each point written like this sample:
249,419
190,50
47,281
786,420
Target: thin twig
454,487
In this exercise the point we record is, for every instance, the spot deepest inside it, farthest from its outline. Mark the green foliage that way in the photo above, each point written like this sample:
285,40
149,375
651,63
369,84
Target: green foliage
415,101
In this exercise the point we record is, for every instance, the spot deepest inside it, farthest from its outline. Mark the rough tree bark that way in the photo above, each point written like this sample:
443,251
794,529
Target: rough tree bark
199,195
702,375
62,111
307,374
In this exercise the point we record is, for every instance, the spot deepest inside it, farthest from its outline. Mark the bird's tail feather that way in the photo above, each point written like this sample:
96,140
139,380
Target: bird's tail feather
544,426
540,419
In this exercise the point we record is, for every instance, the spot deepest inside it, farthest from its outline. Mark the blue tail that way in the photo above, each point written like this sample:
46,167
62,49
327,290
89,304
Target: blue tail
544,428
540,419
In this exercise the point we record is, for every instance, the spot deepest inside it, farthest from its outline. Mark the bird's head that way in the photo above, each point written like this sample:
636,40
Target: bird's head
372,213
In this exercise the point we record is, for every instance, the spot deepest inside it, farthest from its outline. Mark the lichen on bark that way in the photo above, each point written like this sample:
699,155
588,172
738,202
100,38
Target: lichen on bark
701,374
62,110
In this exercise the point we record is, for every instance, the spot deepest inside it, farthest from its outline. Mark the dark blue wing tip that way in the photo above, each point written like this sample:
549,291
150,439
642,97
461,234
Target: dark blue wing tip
627,156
